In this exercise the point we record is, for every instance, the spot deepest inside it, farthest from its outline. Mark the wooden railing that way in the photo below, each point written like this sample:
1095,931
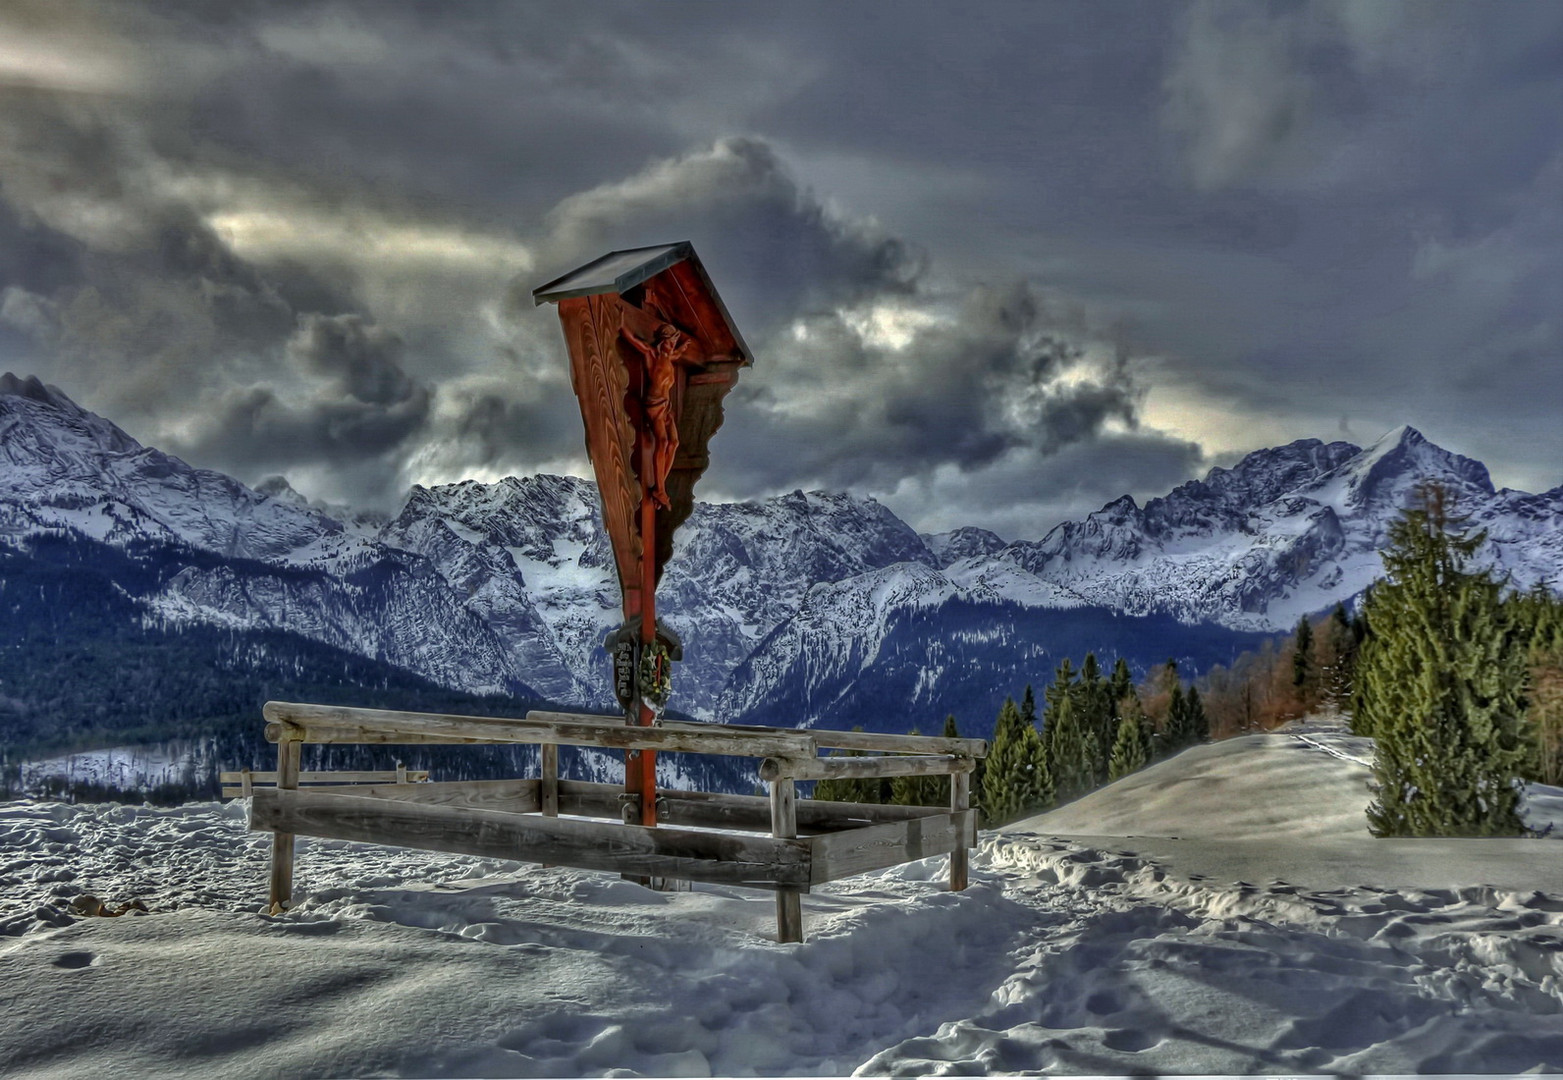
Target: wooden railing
810,841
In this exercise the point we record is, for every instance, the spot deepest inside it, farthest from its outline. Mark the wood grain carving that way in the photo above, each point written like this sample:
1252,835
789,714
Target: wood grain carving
592,325
613,341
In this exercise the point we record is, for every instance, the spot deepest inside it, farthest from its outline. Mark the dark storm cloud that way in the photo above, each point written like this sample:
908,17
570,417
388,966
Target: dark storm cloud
1023,488
363,360
780,249
317,223
361,408
991,375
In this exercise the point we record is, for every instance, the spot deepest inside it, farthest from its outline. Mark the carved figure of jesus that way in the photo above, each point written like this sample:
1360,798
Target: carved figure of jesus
668,348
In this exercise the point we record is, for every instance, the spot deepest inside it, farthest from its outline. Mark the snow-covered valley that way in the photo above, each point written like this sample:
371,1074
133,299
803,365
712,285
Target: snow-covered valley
1224,911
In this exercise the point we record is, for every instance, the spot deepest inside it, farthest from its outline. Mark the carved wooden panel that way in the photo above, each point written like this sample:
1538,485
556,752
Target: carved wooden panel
601,379
611,341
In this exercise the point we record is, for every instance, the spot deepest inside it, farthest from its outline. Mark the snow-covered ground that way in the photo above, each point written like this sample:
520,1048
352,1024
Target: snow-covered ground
1222,912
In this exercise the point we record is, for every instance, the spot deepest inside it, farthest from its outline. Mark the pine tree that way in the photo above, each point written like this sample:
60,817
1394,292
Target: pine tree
979,770
1017,781
1341,646
942,783
1062,686
1095,710
1196,724
1072,759
1177,731
1129,750
919,790
1441,679
1539,614
1120,686
855,789
1302,661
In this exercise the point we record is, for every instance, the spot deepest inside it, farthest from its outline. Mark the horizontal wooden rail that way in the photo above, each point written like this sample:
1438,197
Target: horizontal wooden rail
706,809
334,723
719,858
514,796
852,767
874,847
829,739
381,776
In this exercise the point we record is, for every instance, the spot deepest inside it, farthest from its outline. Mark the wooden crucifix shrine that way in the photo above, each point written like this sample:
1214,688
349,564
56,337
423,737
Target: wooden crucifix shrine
653,352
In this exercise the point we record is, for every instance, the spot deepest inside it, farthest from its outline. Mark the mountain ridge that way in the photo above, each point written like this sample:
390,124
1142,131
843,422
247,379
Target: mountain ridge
787,600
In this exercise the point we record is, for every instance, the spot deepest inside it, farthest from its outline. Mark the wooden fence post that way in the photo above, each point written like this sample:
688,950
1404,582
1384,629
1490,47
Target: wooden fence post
784,826
548,790
289,751
960,799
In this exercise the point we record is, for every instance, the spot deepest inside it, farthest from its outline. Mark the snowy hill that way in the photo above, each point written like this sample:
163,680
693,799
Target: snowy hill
800,609
1319,950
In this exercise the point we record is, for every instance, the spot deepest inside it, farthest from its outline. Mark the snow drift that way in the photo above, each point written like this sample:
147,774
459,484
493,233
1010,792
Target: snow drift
1153,950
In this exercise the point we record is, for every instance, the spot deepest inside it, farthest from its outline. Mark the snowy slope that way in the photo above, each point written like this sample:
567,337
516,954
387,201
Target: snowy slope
1066,955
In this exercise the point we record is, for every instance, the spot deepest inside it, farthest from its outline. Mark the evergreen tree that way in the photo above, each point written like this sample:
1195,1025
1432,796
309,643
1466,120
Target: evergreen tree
1196,723
1440,678
857,789
1120,686
1094,706
1538,618
1062,686
1341,646
1129,751
1017,781
952,731
1361,717
1073,765
1302,660
919,790
1177,730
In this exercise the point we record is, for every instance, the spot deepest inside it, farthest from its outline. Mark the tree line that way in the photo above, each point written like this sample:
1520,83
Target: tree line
1456,675
1094,728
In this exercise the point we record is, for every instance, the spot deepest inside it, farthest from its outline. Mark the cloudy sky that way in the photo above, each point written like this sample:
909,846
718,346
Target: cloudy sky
999,263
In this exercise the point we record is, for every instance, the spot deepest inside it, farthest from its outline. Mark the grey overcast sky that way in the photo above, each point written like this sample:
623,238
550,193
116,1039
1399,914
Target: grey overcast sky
1000,263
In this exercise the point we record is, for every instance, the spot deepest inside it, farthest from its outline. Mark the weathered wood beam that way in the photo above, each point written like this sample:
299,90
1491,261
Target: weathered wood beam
784,826
289,753
720,858
960,802
857,851
825,738
353,734
515,796
851,767
569,729
712,810
548,785
345,776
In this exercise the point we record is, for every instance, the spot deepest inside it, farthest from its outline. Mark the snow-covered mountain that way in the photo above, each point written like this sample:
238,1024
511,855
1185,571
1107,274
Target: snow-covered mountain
1285,532
802,609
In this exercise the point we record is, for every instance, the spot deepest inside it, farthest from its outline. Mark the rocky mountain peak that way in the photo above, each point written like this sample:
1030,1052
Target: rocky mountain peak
962,543
1264,475
39,422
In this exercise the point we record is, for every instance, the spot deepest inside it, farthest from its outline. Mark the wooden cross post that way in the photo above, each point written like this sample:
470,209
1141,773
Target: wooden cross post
640,766
653,351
